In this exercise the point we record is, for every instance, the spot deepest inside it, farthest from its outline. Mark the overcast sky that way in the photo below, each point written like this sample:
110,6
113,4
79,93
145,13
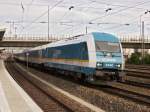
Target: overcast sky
71,17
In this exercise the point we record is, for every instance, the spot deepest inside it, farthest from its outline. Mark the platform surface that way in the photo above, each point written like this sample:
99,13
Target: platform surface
12,97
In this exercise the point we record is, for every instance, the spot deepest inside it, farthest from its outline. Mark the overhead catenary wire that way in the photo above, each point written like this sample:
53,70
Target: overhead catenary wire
92,1
111,14
27,26
28,7
127,7
70,7
23,10
116,5
18,4
118,11
115,25
130,22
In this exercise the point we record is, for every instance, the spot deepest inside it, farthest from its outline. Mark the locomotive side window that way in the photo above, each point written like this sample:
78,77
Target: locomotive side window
71,51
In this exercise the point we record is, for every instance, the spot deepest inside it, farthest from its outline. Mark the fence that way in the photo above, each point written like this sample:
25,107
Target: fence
125,39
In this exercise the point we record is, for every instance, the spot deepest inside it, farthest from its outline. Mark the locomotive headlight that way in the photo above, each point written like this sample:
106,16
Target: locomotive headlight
108,54
118,65
99,64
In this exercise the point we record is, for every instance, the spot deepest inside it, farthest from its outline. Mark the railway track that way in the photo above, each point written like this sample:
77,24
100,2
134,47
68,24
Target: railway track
45,101
140,67
62,99
94,99
133,92
137,71
138,81
138,75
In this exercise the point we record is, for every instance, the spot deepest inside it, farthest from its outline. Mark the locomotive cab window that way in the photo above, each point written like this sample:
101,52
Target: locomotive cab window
107,46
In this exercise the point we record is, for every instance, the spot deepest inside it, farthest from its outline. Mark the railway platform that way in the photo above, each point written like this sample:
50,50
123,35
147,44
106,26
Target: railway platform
12,97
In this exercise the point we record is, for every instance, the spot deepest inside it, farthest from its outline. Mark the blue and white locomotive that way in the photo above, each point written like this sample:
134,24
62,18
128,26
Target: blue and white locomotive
91,57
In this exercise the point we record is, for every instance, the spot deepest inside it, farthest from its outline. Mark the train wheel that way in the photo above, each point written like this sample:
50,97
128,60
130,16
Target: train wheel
90,78
122,77
83,78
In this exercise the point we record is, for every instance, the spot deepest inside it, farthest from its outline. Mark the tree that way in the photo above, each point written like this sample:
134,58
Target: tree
135,58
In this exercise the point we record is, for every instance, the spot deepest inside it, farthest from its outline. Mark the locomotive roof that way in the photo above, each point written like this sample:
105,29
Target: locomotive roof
66,41
79,38
105,37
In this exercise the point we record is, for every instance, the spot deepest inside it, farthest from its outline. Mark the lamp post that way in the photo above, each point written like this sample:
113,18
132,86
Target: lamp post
142,36
70,9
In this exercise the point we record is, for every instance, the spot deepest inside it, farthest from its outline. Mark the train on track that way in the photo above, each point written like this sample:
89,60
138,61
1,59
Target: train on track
91,57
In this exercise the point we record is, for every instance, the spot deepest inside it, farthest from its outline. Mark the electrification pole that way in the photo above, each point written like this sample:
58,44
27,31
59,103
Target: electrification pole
86,30
143,41
142,35
48,22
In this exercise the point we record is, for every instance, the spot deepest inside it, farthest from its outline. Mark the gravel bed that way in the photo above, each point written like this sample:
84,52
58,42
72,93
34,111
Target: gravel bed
107,102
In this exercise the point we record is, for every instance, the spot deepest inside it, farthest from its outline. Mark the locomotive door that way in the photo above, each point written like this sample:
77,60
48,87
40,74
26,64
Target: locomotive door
40,56
40,53
84,54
